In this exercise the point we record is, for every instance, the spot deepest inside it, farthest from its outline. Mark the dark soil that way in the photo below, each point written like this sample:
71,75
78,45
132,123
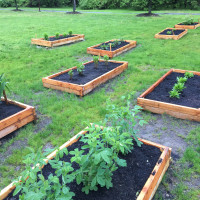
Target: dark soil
61,37
89,74
147,15
189,24
8,110
127,181
123,43
190,96
73,13
175,32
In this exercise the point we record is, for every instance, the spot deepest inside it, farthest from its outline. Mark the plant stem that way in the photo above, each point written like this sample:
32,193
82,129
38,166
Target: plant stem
5,97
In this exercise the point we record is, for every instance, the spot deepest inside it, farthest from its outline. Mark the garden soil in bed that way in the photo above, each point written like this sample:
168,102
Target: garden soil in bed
194,24
190,96
89,74
124,43
8,110
61,37
127,181
175,32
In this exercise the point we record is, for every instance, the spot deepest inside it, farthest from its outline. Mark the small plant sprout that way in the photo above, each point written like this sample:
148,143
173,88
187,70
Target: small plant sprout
65,35
96,61
182,79
71,73
106,58
189,75
80,69
169,32
3,87
70,33
104,46
174,94
179,87
189,20
46,37
57,35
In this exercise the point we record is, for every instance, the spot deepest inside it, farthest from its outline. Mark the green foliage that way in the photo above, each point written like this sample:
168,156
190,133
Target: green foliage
106,58
189,75
104,46
36,187
71,73
96,61
189,20
124,117
182,79
97,166
46,37
169,32
57,35
80,69
3,86
70,33
174,94
65,35
179,87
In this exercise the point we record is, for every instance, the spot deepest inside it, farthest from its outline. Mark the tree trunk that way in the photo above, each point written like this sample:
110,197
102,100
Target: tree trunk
39,5
74,6
5,97
16,5
150,6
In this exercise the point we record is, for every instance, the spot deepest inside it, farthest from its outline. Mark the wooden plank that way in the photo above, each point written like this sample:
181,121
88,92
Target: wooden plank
187,26
150,185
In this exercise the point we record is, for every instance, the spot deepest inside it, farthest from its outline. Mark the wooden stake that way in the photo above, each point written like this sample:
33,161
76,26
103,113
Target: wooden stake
110,46
5,97
173,32
99,56
198,21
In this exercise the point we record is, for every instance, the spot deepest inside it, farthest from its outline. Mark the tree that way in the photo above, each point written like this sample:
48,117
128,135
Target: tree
74,6
16,5
39,5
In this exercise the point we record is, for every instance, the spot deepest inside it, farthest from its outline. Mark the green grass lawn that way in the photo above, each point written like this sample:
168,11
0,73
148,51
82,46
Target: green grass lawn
67,114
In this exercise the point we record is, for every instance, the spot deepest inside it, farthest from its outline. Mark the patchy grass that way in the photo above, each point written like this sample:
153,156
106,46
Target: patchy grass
25,65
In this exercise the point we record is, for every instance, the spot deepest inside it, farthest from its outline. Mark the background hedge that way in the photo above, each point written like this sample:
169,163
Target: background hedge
102,4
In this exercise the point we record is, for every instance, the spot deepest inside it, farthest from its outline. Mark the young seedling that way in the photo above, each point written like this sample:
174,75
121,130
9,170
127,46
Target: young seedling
70,33
3,87
179,87
65,35
71,73
174,94
189,75
104,46
106,58
57,35
46,37
80,69
189,20
169,32
96,61
182,79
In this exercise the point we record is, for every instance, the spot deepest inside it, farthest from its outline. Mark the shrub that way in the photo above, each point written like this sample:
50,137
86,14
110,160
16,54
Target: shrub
46,37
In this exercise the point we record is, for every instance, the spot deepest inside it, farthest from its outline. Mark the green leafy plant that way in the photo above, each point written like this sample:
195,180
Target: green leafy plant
4,85
97,166
106,58
169,32
179,87
188,75
57,35
70,33
36,186
174,94
189,20
65,35
46,37
104,46
96,61
80,69
182,79
71,73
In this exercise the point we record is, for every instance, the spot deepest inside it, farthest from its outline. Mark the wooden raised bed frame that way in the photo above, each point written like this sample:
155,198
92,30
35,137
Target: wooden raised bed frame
151,184
111,54
14,122
174,37
182,112
187,26
59,42
82,90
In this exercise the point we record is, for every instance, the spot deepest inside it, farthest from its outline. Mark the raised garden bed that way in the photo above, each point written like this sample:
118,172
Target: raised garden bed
171,33
53,42
111,51
91,78
146,164
157,99
14,115
185,26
